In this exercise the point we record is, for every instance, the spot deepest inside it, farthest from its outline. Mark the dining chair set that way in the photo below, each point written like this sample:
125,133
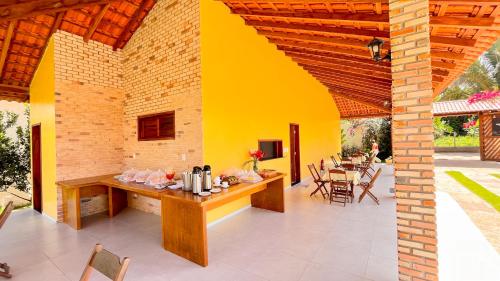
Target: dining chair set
343,176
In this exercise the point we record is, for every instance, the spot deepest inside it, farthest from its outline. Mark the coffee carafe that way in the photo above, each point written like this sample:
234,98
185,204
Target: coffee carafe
187,180
197,180
207,178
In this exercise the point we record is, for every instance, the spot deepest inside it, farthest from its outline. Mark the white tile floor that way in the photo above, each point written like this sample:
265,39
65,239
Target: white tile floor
311,241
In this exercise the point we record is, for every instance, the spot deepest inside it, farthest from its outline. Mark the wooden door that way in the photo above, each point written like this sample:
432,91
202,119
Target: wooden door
295,153
36,166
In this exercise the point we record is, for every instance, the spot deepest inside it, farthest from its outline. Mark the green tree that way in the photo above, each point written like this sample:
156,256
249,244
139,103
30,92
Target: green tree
385,139
14,153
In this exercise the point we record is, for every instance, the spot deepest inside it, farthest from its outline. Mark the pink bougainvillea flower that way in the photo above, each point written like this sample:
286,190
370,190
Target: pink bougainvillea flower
484,95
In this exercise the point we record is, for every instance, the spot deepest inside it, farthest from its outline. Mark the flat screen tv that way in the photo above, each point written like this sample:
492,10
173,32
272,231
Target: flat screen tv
272,149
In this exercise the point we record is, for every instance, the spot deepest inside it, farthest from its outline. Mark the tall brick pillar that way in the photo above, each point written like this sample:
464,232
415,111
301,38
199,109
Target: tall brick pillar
413,139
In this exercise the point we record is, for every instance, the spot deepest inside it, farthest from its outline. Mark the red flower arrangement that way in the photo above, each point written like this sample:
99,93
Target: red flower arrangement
256,154
484,95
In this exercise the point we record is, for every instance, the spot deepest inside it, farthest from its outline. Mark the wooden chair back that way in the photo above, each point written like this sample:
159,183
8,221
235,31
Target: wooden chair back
6,213
341,180
335,161
314,172
367,187
106,263
349,167
374,178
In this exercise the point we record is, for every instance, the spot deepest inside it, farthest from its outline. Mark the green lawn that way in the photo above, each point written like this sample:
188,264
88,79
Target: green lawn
447,141
479,190
496,175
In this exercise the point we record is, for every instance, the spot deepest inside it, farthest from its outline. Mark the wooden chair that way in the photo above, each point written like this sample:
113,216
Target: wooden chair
366,167
106,263
340,156
4,268
339,188
366,186
321,184
335,163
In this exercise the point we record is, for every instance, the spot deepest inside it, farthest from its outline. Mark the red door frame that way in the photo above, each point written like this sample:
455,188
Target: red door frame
36,166
294,153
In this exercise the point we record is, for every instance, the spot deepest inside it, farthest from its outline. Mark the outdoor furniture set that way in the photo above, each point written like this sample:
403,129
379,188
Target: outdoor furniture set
343,175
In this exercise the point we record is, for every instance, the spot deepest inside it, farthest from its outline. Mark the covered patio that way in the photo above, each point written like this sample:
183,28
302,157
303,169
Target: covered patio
95,72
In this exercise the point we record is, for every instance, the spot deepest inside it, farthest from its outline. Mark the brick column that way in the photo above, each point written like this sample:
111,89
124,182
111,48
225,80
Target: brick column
413,139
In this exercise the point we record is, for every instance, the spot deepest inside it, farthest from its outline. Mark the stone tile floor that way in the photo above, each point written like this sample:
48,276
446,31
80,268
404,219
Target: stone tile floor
311,241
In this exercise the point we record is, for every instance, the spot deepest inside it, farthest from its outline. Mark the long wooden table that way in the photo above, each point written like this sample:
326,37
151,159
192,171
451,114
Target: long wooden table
184,225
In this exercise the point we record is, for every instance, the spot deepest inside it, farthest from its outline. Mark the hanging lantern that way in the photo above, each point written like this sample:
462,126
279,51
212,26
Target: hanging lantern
375,47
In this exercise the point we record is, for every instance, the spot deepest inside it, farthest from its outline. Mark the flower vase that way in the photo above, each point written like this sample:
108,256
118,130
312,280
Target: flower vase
255,168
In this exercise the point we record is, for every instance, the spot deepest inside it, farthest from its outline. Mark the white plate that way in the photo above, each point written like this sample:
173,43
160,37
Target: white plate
215,190
204,193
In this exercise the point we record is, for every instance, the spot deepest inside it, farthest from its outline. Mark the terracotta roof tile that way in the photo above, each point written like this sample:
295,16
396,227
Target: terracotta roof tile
458,107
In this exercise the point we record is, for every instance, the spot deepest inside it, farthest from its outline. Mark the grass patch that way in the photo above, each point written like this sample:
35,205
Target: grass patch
447,141
479,190
496,176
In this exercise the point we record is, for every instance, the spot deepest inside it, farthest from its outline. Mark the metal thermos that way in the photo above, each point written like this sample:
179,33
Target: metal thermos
207,178
187,180
197,180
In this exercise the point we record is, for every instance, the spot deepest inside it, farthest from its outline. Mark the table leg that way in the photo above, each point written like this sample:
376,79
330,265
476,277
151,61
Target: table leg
71,207
272,198
184,229
117,200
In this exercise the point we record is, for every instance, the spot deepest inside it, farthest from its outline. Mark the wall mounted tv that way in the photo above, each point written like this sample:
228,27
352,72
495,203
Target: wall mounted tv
272,149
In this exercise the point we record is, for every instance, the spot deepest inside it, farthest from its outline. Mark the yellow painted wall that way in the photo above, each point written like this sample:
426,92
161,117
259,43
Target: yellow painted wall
252,91
42,103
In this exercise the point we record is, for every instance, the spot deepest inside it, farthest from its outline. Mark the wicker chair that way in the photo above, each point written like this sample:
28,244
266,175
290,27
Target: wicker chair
106,263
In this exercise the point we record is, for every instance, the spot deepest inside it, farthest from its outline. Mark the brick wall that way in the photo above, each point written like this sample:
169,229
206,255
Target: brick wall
162,72
89,109
413,139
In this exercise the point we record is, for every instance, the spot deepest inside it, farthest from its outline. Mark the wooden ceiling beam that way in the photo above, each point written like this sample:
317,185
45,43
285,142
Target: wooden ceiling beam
6,45
356,100
375,19
444,65
346,42
318,28
322,55
14,89
95,22
361,95
381,88
453,42
437,2
447,55
342,72
359,71
316,16
376,96
133,20
352,32
334,63
321,48
12,10
471,22
367,94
